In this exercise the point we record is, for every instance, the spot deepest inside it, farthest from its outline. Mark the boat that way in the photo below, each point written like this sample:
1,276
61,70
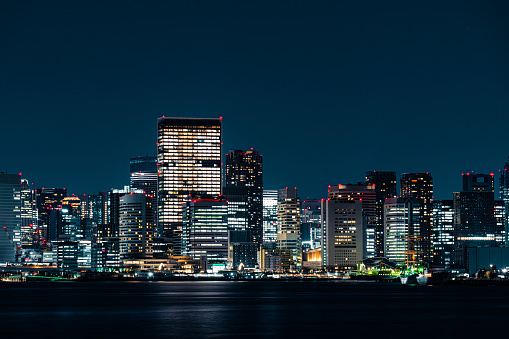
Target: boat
414,279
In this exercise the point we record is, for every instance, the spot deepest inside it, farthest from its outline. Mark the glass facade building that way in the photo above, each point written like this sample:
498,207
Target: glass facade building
27,214
10,217
402,238
189,164
136,226
504,195
143,177
288,239
269,216
205,230
244,171
443,232
385,187
420,187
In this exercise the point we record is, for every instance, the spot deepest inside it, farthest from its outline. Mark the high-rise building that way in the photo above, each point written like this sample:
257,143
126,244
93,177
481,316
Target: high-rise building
343,233
288,239
420,187
10,217
245,170
310,226
237,208
366,195
111,228
136,226
205,230
504,194
46,200
69,223
189,164
501,234
144,177
269,217
385,187
95,208
27,214
474,215
402,231
443,232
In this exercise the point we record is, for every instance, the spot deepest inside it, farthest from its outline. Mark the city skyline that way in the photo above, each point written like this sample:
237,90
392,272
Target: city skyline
336,89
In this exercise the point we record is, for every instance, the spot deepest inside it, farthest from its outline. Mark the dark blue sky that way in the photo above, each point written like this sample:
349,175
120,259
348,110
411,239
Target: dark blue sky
325,90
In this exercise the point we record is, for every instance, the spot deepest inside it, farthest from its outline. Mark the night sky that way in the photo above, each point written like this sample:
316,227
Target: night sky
325,90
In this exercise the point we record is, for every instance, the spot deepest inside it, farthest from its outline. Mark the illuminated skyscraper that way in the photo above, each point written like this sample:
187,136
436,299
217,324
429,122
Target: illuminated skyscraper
420,187
311,219
189,158
366,195
136,226
402,230
443,232
385,187
69,223
269,217
10,216
343,240
27,212
504,194
244,171
288,240
46,199
205,230
144,177
474,212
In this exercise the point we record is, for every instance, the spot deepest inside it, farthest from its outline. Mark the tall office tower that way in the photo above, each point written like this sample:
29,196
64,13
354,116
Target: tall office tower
288,239
269,217
95,208
85,212
189,158
136,226
237,208
402,230
46,199
245,170
385,187
443,232
365,194
144,177
504,194
69,223
112,227
205,230
27,212
310,225
343,233
10,217
474,213
420,187
500,218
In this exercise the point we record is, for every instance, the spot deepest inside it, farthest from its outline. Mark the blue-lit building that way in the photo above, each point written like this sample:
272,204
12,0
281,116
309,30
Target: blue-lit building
402,238
205,231
474,215
10,217
269,217
443,233
504,194
136,226
244,189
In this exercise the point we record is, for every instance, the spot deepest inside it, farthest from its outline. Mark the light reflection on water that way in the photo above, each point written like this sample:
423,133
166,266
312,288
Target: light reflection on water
265,308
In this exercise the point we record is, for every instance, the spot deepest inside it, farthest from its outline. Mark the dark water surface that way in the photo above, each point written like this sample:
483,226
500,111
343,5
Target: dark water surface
266,308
